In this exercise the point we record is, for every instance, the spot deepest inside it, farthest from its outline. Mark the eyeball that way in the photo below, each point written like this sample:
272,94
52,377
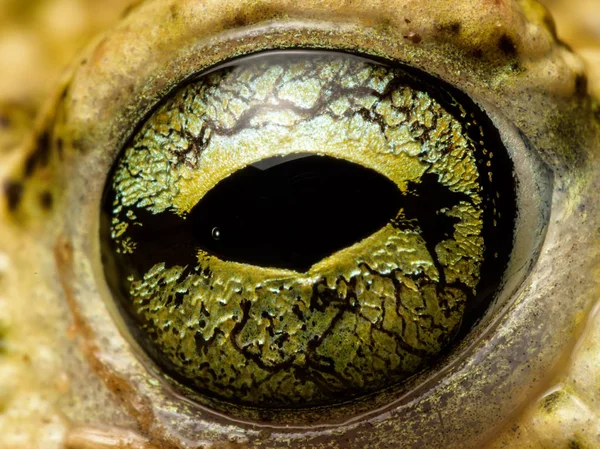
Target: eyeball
301,228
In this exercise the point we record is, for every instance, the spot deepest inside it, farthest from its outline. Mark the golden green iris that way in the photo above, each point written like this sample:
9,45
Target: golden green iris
360,319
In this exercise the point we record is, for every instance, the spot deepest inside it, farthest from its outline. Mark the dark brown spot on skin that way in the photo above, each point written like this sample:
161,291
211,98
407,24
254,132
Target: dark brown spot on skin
581,84
14,192
46,200
78,145
551,402
507,45
4,121
450,28
407,21
65,91
574,444
478,53
174,12
515,67
40,156
239,20
415,38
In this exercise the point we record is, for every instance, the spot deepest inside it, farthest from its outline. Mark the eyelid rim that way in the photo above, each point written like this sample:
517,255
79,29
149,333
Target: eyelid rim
105,131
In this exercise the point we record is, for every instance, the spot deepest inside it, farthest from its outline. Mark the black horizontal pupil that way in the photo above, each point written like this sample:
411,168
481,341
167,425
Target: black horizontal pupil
292,213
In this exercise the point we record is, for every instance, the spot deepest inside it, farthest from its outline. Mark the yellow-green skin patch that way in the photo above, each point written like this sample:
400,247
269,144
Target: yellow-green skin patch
365,317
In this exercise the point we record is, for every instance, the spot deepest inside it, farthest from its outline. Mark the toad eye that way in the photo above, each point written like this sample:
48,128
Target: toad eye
328,224
301,228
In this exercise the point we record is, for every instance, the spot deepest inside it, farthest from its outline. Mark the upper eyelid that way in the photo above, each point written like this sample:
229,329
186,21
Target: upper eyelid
431,33
430,26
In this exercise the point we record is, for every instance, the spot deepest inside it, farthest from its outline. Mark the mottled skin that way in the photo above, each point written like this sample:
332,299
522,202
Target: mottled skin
72,378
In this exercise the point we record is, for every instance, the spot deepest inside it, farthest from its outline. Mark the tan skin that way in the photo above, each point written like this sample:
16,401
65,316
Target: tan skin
527,376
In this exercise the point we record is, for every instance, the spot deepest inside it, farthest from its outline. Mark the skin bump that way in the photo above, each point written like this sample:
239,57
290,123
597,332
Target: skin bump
553,401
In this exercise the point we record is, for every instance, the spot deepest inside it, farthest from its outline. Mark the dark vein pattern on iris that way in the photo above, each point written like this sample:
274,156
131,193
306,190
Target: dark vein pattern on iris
357,318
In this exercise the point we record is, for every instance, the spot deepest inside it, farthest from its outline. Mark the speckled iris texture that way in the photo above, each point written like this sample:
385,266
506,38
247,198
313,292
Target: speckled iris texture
360,319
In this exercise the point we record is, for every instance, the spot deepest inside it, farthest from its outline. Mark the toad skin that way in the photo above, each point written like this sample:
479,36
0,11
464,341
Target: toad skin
69,379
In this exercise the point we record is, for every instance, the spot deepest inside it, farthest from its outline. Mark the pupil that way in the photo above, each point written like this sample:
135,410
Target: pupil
292,213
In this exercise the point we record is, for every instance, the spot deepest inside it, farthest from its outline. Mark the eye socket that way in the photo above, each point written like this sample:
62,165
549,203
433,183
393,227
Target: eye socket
302,228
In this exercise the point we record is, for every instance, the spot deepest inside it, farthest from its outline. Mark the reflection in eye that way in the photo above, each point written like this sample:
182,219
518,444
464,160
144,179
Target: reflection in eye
300,228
